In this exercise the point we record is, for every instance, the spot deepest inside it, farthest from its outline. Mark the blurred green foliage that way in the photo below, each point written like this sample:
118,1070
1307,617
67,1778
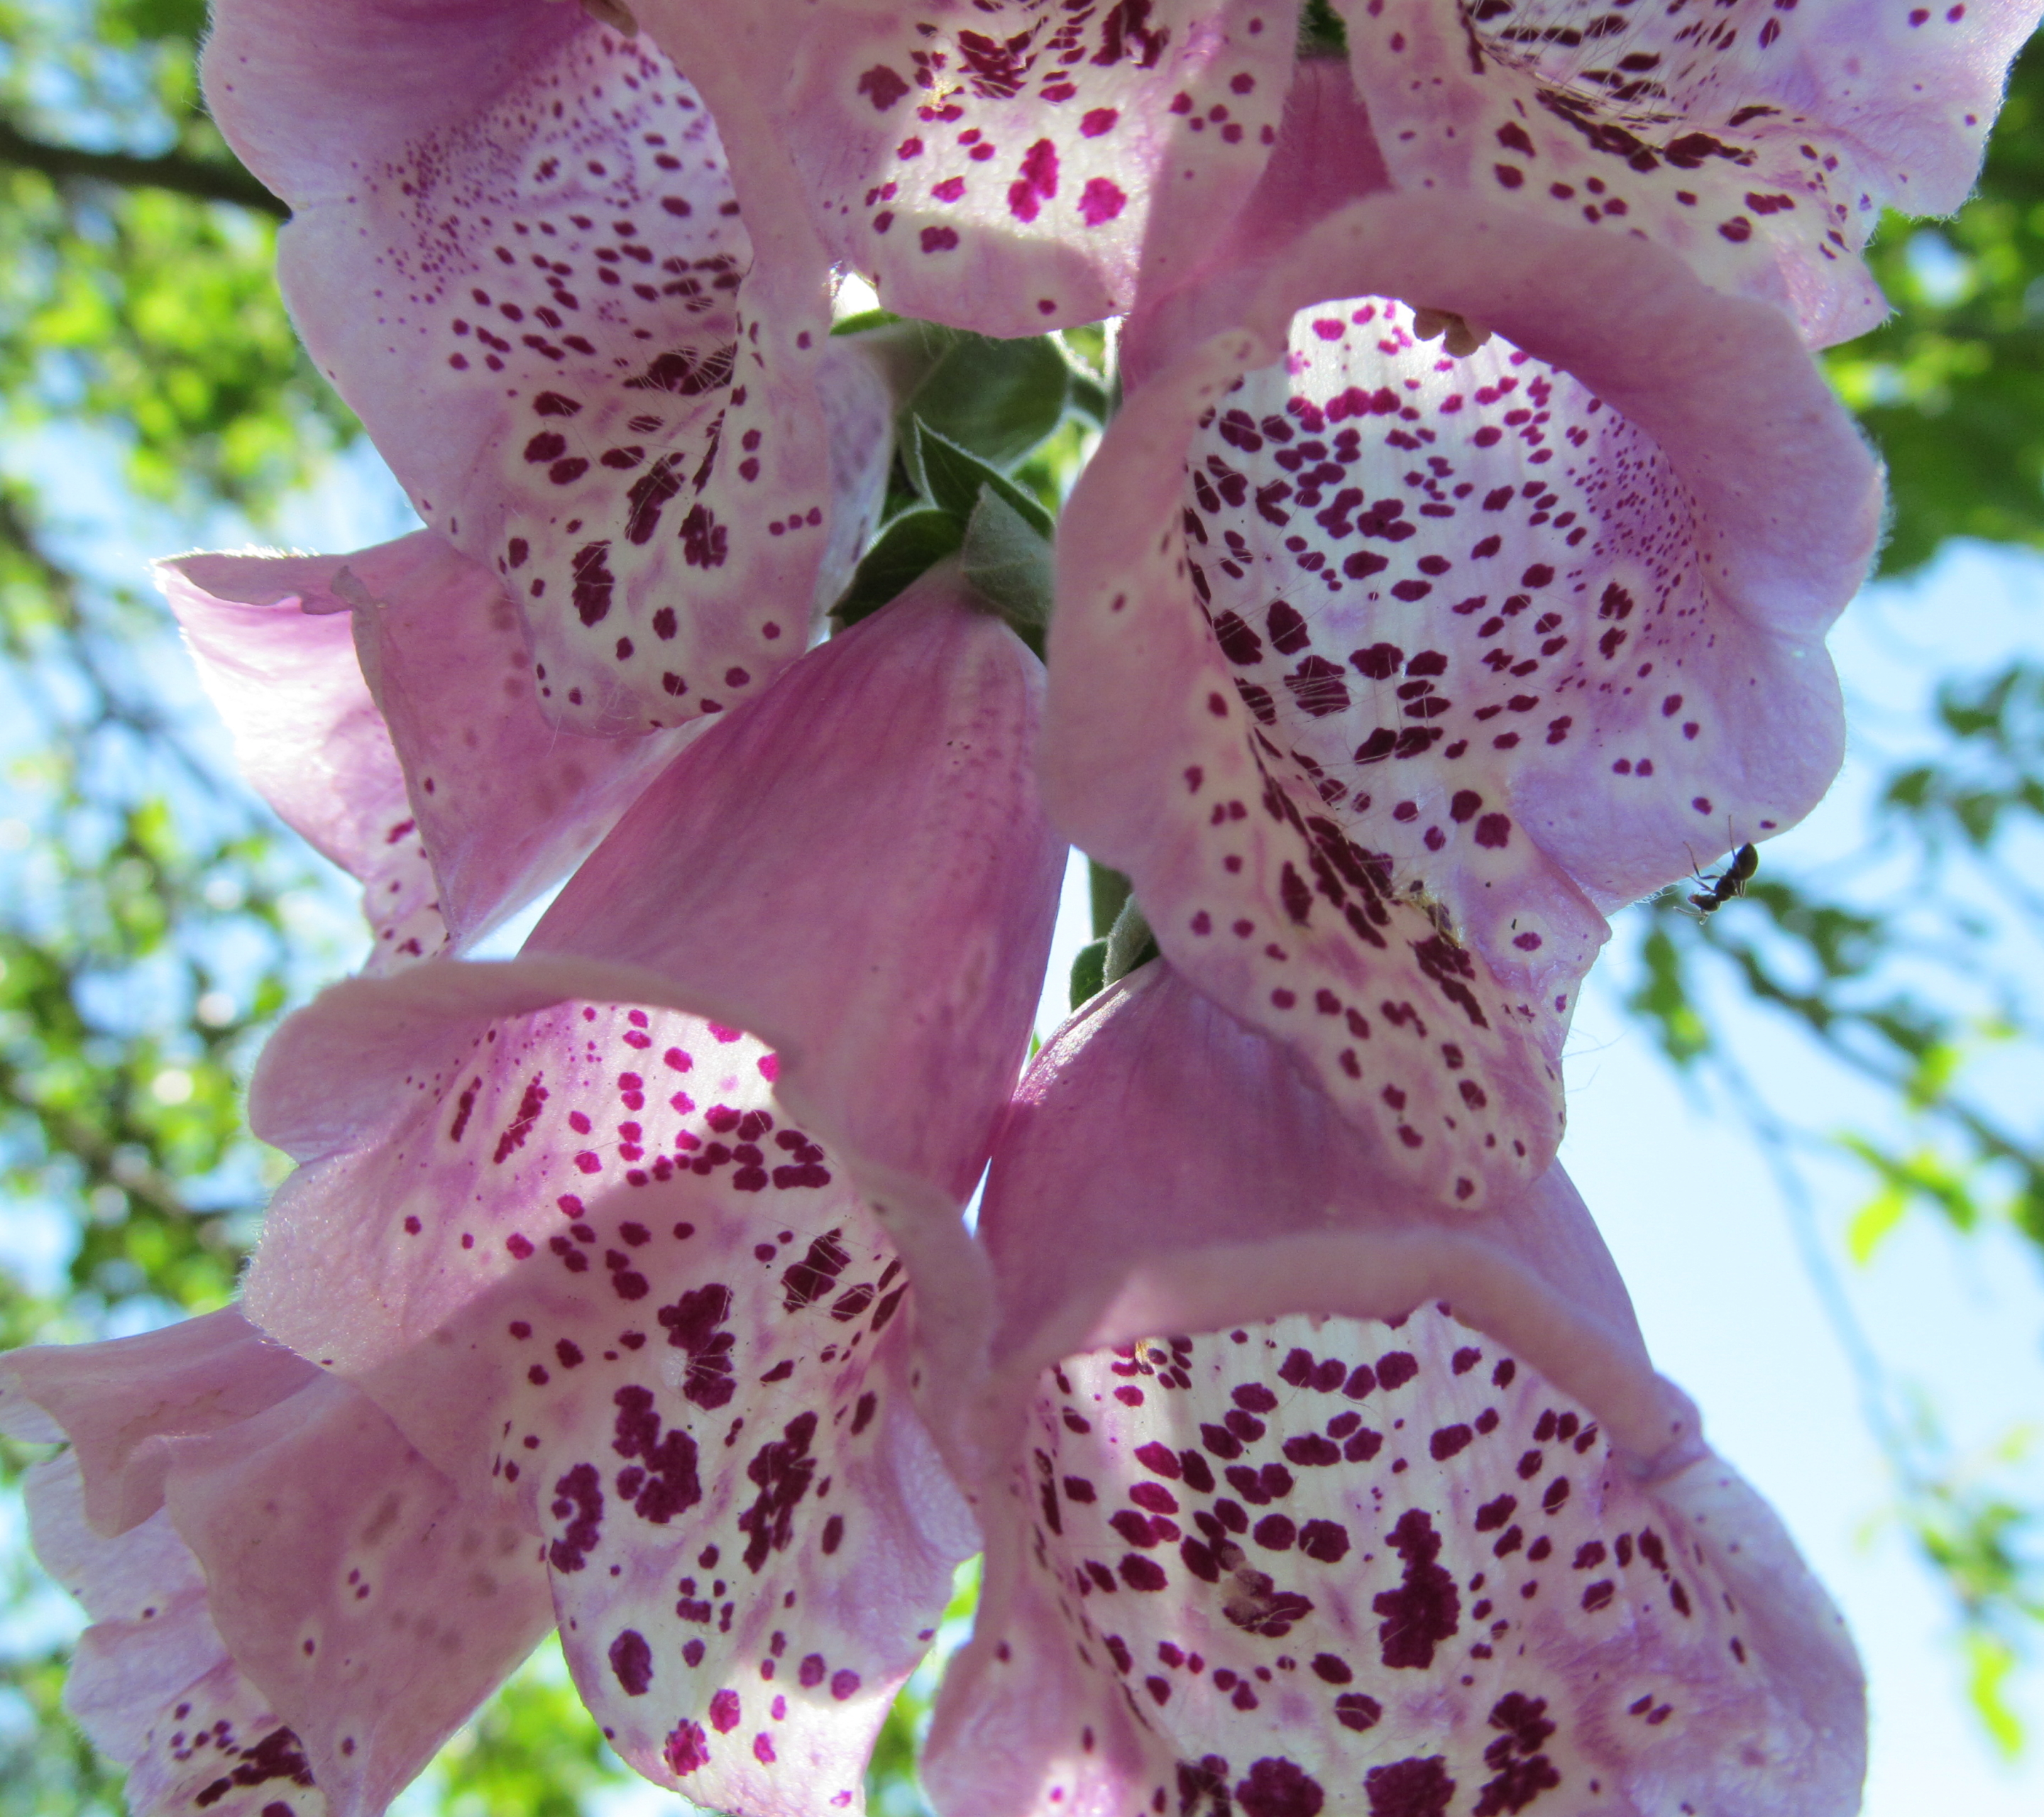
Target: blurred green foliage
151,923
1951,387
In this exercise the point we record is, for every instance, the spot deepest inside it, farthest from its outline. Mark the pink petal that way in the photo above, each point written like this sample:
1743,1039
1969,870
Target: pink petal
1006,170
876,902
1309,1563
124,1403
376,1604
505,802
1626,676
516,253
307,733
767,880
749,1535
1326,155
349,1596
1763,152
662,1325
1287,1545
1167,1168
150,1683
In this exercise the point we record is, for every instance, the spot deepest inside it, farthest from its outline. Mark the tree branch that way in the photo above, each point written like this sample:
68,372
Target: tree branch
199,176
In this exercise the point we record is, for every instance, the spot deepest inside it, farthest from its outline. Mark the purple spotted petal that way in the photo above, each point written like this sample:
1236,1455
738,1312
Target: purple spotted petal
517,251
767,879
354,1608
373,1601
663,1325
308,738
1762,149
505,802
1333,1565
150,1683
1007,168
1490,644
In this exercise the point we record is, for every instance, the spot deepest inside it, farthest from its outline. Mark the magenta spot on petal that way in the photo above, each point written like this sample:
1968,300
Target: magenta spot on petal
687,1747
940,239
881,87
844,1683
632,1659
723,1711
1099,201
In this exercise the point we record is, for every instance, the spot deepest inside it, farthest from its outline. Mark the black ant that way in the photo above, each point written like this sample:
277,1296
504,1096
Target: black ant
1718,890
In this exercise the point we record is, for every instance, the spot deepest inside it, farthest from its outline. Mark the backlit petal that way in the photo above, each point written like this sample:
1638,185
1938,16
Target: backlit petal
1007,168
1328,1564
1282,1532
662,1327
517,251
1762,149
1490,645
505,801
150,1683
308,736
356,1607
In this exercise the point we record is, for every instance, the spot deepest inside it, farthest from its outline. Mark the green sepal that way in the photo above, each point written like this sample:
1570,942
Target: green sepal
909,545
1006,562
950,476
866,321
1089,973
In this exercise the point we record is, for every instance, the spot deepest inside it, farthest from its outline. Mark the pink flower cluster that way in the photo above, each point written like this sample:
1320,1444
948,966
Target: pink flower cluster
1458,563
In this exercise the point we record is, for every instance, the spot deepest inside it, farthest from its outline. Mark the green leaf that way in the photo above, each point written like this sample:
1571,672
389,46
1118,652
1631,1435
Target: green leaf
903,551
1874,1220
1991,1662
867,321
1107,892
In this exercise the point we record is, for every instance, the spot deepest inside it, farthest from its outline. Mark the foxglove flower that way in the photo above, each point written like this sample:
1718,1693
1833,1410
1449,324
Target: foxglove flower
653,1293
601,370
1009,167
1383,671
292,1609
1306,1501
1761,144
383,703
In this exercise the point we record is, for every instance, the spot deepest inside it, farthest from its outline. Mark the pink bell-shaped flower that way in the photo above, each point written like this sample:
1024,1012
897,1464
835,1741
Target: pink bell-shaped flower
1299,1497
